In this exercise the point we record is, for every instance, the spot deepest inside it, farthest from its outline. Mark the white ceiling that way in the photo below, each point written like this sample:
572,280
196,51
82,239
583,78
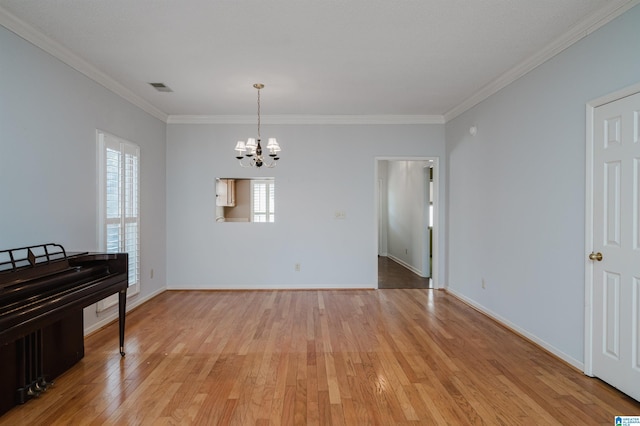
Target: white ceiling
315,57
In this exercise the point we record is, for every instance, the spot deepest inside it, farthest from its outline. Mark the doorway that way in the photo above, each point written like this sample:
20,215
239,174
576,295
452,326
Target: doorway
407,222
612,283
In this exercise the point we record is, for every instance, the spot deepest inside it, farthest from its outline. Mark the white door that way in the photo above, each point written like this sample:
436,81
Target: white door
615,259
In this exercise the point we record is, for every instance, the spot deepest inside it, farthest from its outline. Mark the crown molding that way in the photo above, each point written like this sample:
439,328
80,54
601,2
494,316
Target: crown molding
612,10
306,119
35,37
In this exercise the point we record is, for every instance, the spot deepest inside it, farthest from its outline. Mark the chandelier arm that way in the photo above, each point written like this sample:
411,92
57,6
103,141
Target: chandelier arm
243,165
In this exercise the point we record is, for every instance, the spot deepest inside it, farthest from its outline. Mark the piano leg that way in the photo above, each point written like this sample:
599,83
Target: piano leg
122,299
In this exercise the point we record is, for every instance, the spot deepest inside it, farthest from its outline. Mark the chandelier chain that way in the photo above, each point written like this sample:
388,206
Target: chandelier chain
252,150
258,114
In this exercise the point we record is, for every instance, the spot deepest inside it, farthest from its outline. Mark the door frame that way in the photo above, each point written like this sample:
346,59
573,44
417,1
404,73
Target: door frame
588,245
437,220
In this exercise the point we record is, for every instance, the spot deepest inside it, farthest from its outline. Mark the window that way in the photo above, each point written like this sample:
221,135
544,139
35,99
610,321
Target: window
119,205
263,200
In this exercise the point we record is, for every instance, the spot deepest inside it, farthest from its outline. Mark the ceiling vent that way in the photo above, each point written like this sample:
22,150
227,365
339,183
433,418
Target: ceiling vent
161,87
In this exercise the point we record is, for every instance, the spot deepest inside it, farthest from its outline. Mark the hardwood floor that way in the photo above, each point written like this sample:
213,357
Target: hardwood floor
393,275
354,357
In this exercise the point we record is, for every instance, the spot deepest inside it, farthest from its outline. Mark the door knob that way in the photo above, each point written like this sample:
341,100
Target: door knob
596,256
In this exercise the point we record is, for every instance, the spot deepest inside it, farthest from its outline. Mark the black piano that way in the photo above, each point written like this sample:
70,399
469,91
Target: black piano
42,293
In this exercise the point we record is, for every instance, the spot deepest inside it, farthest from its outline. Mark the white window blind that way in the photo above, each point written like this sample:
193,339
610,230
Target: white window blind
119,204
263,200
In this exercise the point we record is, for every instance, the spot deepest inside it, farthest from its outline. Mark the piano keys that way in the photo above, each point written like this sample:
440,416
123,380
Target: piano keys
42,293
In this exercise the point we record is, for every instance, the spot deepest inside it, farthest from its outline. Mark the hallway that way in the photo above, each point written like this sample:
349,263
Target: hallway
393,275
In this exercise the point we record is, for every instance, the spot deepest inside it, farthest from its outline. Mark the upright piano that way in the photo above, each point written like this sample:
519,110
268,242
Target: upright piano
42,293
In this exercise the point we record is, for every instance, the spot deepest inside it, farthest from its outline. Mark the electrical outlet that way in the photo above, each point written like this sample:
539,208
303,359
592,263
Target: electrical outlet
340,214
296,267
151,274
483,284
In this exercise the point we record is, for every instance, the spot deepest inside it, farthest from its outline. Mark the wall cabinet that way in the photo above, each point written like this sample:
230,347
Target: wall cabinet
225,192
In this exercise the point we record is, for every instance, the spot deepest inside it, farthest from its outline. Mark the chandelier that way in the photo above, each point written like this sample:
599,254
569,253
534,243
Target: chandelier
252,151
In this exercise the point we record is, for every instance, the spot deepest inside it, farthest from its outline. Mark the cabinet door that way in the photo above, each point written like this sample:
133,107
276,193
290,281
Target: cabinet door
225,192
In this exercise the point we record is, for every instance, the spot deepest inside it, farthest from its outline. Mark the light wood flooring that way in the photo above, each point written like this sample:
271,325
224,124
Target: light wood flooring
354,357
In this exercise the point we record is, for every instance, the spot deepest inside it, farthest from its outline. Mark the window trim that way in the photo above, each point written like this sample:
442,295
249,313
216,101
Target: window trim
104,141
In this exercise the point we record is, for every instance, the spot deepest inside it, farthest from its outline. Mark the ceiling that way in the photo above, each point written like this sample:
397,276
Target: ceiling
315,57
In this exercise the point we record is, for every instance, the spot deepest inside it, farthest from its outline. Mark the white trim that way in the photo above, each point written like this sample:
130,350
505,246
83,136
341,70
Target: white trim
611,97
588,243
437,228
603,16
437,254
406,265
125,147
100,189
513,327
588,209
57,50
382,251
306,119
214,286
112,313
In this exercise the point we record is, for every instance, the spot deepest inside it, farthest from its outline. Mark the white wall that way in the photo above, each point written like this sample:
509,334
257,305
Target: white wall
49,114
324,169
516,189
407,209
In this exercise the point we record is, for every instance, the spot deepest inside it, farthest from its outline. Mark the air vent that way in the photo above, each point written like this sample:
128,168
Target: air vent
161,87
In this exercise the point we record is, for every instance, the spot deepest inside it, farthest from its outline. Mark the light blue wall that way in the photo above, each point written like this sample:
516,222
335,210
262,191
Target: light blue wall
49,114
517,189
324,169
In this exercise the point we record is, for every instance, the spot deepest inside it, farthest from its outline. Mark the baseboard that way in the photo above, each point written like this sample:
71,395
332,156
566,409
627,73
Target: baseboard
517,330
113,316
406,265
274,287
